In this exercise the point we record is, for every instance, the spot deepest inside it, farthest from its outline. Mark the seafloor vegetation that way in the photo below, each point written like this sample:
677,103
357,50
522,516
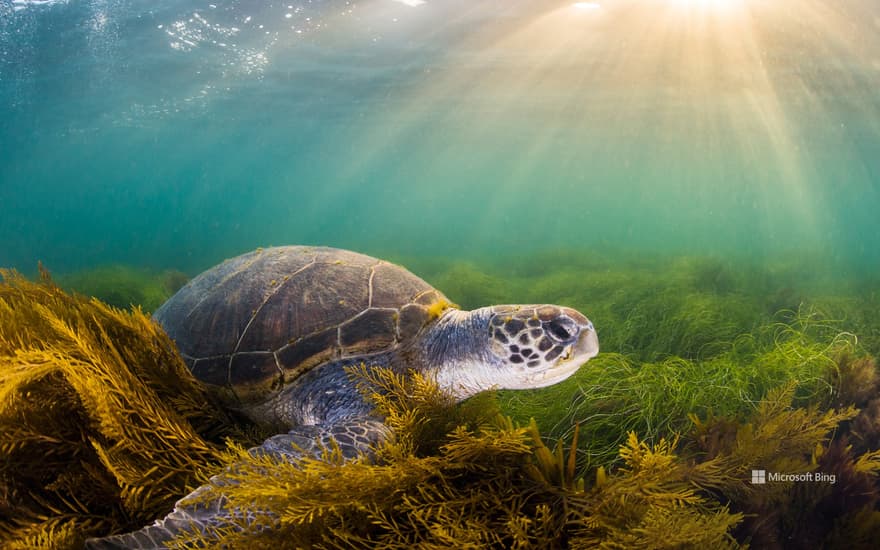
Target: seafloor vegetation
708,371
123,286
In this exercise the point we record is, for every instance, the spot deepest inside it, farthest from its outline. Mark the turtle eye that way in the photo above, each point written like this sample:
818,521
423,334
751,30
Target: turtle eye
561,330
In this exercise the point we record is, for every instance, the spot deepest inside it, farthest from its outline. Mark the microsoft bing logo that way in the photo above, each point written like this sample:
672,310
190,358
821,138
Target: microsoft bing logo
761,477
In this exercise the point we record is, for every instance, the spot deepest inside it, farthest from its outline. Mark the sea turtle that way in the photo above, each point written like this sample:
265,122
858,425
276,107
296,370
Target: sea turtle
270,331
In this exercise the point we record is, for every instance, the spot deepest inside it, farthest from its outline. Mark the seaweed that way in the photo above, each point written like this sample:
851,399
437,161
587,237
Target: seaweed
487,485
465,284
641,308
840,487
122,286
701,380
652,503
101,425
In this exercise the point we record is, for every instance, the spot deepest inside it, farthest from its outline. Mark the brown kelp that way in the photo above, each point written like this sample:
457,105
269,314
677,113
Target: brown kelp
828,485
101,425
492,484
497,485
488,485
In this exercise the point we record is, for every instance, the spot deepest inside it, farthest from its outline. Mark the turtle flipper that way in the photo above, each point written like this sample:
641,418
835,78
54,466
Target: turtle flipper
196,514
354,436
187,517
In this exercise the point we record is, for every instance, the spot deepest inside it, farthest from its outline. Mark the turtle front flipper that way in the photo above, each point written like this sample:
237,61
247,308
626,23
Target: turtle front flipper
205,510
354,436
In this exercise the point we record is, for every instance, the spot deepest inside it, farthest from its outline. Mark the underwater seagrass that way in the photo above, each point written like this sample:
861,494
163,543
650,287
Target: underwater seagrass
123,286
273,330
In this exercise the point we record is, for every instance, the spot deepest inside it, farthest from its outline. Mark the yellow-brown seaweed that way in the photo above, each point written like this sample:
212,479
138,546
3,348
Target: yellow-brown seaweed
101,425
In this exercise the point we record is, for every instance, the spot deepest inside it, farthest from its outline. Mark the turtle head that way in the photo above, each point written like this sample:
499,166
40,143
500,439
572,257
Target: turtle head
540,345
511,347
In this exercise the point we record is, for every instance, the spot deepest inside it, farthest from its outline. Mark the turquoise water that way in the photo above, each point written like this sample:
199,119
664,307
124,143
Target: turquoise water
177,133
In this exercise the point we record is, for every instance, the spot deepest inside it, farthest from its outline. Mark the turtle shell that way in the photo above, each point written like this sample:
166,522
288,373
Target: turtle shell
261,320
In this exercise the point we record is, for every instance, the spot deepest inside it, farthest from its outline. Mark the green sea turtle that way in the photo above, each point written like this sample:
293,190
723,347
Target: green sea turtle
270,331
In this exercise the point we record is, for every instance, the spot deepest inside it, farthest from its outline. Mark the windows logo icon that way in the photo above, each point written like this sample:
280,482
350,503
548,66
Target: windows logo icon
759,477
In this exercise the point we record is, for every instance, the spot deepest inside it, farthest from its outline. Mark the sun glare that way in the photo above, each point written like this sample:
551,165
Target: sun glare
653,74
705,4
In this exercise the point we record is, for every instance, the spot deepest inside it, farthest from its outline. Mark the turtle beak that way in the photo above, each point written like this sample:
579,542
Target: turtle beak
587,345
583,346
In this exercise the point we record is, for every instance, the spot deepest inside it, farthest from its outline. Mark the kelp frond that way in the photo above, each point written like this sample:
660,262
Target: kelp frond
415,408
556,467
56,533
100,421
780,437
651,503
783,438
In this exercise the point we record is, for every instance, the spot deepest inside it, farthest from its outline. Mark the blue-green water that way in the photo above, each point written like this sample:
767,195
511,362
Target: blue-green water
176,133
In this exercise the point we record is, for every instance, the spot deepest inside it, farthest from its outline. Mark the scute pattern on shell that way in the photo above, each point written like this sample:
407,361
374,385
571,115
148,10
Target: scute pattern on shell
262,319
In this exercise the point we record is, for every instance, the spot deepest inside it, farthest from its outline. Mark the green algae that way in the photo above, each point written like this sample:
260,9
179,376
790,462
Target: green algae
123,286
651,308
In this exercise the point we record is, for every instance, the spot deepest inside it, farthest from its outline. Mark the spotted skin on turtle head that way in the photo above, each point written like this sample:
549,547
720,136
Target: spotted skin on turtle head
536,336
